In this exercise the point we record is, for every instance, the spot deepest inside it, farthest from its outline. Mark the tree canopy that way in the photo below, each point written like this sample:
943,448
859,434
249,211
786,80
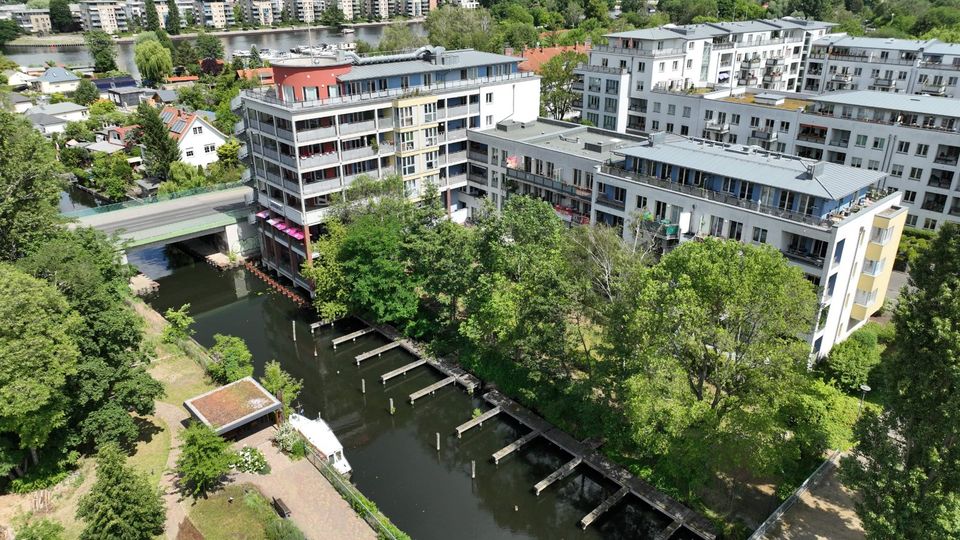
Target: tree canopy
102,49
153,60
160,149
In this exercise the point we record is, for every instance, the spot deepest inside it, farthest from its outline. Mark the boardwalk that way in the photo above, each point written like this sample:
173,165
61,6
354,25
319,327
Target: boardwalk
351,337
402,370
557,475
431,389
603,507
376,352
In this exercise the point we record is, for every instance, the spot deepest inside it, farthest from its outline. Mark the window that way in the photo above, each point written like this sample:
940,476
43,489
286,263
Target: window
406,141
208,148
661,67
408,165
610,105
188,152
686,112
880,235
675,66
489,119
604,62
922,149
656,106
911,220
430,112
432,159
641,202
909,196
838,252
609,122
406,116
873,165
903,147
672,109
736,230
427,79
197,130
861,141
405,82
593,102
878,143
929,224
784,126
613,86
735,119
431,137
708,115
685,130
915,173
489,97
856,162
655,125
759,235
754,122
896,170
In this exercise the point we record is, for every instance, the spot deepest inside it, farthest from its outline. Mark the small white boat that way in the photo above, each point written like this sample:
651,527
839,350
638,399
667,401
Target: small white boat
241,53
321,437
347,31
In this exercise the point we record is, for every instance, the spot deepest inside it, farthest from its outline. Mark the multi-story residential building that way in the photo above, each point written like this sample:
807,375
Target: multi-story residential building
107,15
213,14
915,139
31,21
308,11
417,8
763,53
906,66
366,9
327,121
259,12
465,4
829,220
135,11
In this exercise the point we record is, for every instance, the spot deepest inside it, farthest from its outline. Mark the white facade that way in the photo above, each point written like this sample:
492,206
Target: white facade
135,10
107,15
31,21
199,142
213,14
259,12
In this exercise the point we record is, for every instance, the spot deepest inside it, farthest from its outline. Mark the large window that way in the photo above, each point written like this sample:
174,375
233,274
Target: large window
408,165
406,116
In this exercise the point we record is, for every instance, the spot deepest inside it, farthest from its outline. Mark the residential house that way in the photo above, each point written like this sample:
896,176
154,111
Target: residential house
127,97
47,124
18,103
66,111
18,80
196,137
57,80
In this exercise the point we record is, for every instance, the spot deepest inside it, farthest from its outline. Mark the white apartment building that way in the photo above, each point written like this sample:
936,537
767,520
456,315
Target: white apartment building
827,219
906,66
107,15
327,121
465,4
213,14
309,11
764,53
136,11
417,8
259,12
376,9
31,21
914,139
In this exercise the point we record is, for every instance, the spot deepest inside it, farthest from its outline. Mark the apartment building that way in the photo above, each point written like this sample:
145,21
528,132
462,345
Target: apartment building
107,15
829,220
308,11
31,21
905,66
914,139
417,8
259,12
368,9
769,54
326,121
213,14
136,11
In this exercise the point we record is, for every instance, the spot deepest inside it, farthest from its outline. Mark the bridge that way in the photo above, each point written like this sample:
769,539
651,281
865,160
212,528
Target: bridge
173,218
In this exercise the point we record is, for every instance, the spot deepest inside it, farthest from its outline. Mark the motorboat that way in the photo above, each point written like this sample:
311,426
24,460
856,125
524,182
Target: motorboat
319,435
346,31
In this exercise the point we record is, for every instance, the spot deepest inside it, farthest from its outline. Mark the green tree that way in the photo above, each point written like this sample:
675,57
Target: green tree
112,174
38,354
556,83
28,175
187,56
326,272
179,323
102,49
209,46
228,153
9,30
40,529
159,148
850,362
122,502
573,13
281,384
332,16
153,61
78,131
86,92
597,9
399,36
61,20
184,176
458,28
233,360
204,459
172,24
151,19
905,466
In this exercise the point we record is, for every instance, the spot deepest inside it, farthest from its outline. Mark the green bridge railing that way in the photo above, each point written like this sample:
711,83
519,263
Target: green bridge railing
151,200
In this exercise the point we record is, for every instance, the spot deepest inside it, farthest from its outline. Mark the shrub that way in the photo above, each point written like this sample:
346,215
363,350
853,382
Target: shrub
41,529
251,460
282,529
850,362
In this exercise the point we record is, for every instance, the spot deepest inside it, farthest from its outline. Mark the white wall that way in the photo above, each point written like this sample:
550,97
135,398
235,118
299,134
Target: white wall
197,142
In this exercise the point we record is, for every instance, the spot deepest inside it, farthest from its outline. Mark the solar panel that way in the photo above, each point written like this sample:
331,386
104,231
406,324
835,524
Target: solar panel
179,126
166,116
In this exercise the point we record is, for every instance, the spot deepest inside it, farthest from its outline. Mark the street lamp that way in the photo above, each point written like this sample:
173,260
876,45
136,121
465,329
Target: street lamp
864,389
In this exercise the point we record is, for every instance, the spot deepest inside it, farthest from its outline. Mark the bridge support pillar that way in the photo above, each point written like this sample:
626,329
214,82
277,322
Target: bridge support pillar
231,234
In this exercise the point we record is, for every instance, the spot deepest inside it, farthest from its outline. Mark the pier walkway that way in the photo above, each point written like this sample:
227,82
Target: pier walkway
402,370
376,352
351,337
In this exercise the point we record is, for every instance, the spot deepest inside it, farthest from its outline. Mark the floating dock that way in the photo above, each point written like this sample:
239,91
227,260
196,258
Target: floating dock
604,506
402,370
350,337
558,474
478,421
432,388
514,446
376,352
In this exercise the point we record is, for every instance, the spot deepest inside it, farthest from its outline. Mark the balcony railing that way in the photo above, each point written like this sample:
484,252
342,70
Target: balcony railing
323,186
477,178
316,134
722,127
804,257
478,156
455,180
454,157
357,127
811,137
455,135
461,110
649,53
357,153
842,143
285,134
543,181
946,159
766,134
936,89
941,182
239,127
883,83
842,78
319,160
603,200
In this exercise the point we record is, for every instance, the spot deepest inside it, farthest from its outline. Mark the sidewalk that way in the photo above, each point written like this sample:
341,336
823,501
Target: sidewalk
825,512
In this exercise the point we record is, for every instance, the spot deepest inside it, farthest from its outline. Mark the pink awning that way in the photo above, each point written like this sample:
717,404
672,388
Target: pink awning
272,221
263,214
281,226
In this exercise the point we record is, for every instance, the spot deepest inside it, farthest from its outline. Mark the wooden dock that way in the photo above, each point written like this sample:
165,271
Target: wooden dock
604,506
376,352
478,421
668,532
402,370
514,446
558,474
351,337
319,324
432,388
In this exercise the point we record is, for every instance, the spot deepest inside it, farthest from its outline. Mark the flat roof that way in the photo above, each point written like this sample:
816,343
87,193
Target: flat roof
575,139
789,104
927,105
766,168
890,44
459,59
707,30
232,405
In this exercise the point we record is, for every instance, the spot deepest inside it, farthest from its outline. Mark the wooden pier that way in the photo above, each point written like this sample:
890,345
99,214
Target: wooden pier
604,506
668,532
514,446
432,388
402,370
376,352
478,421
320,324
558,474
351,337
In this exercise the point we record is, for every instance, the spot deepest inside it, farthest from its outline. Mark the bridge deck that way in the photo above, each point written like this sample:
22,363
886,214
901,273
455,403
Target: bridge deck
478,421
351,337
402,370
432,388
376,352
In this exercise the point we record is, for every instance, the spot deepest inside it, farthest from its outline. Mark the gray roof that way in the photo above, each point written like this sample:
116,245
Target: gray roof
165,96
209,116
584,142
105,147
64,107
887,44
927,105
127,90
708,30
766,168
58,74
450,60
40,119
942,48
18,98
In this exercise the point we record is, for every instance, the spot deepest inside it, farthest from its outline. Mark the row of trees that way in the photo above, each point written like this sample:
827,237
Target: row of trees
678,364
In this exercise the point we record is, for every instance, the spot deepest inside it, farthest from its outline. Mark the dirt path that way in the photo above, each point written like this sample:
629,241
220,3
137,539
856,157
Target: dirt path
824,512
172,498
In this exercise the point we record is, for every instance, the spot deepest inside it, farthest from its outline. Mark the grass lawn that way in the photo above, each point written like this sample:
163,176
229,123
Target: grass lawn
150,454
244,518
180,376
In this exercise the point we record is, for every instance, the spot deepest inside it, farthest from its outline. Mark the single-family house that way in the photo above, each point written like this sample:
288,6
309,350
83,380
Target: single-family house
261,76
196,137
122,135
65,110
57,79
159,97
18,103
47,124
126,97
17,79
106,83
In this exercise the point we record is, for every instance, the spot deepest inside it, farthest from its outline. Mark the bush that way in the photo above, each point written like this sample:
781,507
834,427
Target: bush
282,529
42,529
49,472
850,362
251,460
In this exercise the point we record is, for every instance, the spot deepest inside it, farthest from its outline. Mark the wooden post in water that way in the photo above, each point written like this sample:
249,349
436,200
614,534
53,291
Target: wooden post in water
293,324
438,441
314,351
391,406
363,386
473,469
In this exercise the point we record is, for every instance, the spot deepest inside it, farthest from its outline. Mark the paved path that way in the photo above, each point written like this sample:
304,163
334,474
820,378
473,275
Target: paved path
825,512
172,498
317,509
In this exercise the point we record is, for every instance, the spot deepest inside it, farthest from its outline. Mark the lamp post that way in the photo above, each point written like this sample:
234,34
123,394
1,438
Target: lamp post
863,389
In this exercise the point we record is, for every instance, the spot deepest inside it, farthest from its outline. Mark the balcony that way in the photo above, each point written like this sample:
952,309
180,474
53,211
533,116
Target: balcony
765,134
804,257
941,181
454,157
842,143
773,62
719,127
884,83
316,134
285,134
319,160
933,89
812,137
648,53
549,183
752,62
357,153
946,158
773,77
842,78
474,108
478,156
323,186
270,153
577,85
244,152
287,159
455,180
604,200
477,178
455,135
453,112
239,127
357,127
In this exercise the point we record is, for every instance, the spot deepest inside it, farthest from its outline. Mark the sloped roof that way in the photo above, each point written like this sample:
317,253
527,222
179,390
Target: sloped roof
179,121
262,75
64,107
41,119
18,98
536,57
58,74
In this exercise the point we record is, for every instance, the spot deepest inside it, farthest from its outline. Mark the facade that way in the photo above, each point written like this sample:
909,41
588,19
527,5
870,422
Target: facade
47,124
18,80
66,111
904,66
196,137
17,103
327,121
417,8
259,12
56,79
829,220
135,10
107,15
213,14
465,4
764,53
308,11
31,21
914,139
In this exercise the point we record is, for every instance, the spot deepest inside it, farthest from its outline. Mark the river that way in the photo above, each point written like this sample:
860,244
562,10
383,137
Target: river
273,40
428,494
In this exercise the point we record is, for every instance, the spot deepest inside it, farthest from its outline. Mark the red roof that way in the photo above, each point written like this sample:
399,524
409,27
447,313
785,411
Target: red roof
122,131
173,119
262,75
536,57
183,78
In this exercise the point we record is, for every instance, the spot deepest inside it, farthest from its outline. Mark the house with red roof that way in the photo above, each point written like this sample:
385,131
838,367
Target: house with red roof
262,75
122,135
536,57
196,137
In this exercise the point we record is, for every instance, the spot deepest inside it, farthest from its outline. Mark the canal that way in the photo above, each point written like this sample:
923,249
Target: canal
428,494
74,56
